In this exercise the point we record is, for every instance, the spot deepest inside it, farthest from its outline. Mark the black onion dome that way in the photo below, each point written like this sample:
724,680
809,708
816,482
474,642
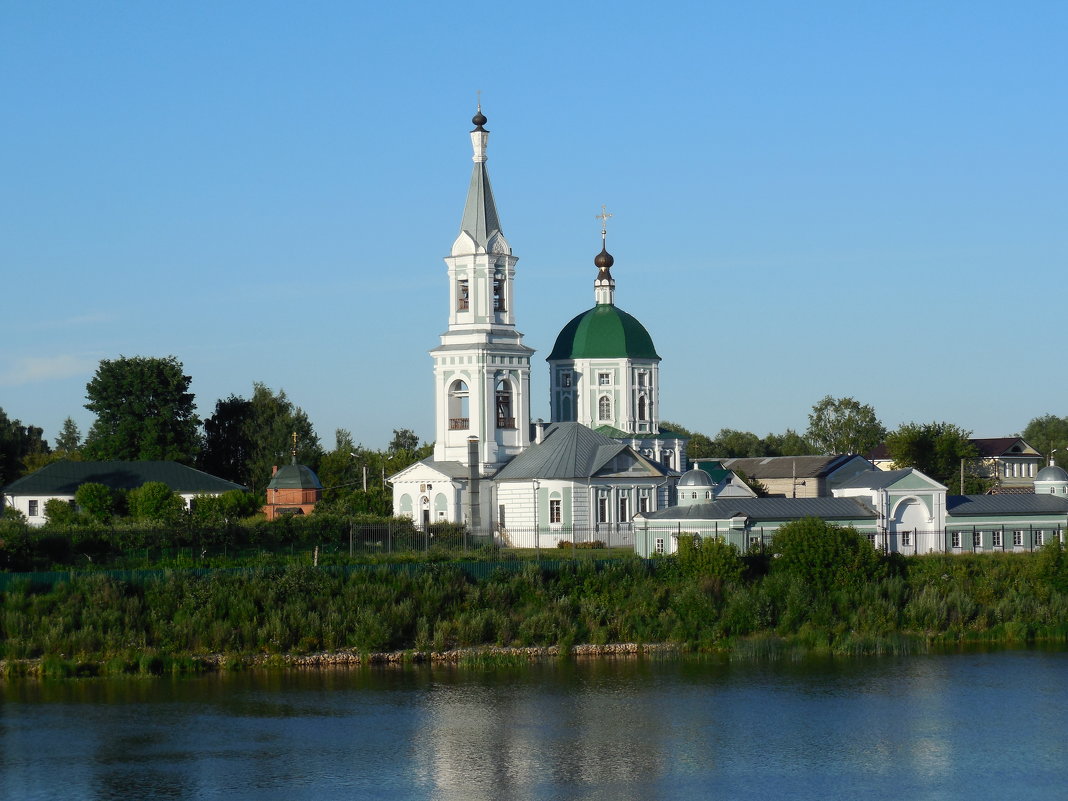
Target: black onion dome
479,120
603,260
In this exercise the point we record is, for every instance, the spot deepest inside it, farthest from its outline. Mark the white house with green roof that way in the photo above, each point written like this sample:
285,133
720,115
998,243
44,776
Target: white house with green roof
60,480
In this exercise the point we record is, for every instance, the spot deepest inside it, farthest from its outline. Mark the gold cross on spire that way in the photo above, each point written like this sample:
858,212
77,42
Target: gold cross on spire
603,217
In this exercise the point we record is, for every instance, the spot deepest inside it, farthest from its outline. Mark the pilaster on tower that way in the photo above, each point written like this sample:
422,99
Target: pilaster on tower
482,367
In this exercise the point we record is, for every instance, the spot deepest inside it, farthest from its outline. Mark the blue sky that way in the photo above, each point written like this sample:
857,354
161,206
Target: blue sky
842,198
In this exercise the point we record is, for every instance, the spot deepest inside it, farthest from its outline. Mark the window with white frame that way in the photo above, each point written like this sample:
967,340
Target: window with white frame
624,509
602,510
33,508
658,547
1040,537
906,538
643,503
463,300
956,539
871,539
996,539
1017,538
604,379
555,511
604,408
565,378
977,539
754,543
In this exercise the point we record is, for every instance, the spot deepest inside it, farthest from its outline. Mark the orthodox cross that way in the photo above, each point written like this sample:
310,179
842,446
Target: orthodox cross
603,217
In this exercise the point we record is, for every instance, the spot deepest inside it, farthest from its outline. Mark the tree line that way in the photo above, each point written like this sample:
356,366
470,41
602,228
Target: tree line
144,410
844,425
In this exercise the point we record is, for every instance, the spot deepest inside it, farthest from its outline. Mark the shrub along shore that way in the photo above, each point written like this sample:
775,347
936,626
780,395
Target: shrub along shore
821,589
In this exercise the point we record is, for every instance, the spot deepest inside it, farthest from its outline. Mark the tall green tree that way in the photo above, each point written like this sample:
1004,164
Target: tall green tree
737,444
938,450
1049,433
69,439
227,449
843,425
18,444
144,411
404,439
246,438
789,443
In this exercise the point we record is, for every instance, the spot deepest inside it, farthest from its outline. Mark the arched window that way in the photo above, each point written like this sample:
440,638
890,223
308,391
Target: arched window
604,408
565,409
643,408
459,417
505,416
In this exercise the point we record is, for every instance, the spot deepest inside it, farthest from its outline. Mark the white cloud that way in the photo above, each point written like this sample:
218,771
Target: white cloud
32,370
93,318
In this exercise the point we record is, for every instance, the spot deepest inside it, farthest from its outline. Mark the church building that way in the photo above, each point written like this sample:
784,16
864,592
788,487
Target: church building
601,459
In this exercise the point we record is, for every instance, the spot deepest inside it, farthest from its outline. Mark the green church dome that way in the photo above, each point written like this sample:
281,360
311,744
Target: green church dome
604,332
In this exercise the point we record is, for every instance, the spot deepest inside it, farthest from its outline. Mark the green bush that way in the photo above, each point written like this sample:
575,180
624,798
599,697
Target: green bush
97,501
155,502
824,555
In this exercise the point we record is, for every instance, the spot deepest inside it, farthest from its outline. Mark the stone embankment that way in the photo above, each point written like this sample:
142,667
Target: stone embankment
454,656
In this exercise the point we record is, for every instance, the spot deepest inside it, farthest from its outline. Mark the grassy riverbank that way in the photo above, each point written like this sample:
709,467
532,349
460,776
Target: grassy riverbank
707,599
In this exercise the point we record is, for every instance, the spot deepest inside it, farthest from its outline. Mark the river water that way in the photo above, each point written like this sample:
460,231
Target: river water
952,726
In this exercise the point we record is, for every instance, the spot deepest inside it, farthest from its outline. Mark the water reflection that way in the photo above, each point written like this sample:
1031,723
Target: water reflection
930,727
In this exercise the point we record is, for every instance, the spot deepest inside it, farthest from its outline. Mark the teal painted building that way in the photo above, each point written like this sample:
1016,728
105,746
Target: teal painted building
902,511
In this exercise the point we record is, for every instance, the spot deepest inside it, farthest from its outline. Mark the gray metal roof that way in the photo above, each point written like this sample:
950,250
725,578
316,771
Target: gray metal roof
969,505
572,450
450,469
1052,472
762,467
875,479
294,476
696,478
64,478
480,212
769,509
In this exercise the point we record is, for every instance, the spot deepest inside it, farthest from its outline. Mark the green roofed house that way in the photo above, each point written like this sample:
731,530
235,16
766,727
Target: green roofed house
61,480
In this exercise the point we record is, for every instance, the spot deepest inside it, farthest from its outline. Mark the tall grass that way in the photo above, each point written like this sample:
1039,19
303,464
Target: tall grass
94,624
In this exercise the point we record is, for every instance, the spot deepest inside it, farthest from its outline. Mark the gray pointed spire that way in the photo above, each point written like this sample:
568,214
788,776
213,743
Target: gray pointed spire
480,212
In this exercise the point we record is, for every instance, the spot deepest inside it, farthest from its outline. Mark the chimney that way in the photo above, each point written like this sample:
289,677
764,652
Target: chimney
539,430
274,471
474,508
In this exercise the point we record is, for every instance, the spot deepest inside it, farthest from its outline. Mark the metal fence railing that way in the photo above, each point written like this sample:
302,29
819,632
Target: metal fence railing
477,570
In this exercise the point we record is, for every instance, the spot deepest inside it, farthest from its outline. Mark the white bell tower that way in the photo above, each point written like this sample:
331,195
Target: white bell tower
481,367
